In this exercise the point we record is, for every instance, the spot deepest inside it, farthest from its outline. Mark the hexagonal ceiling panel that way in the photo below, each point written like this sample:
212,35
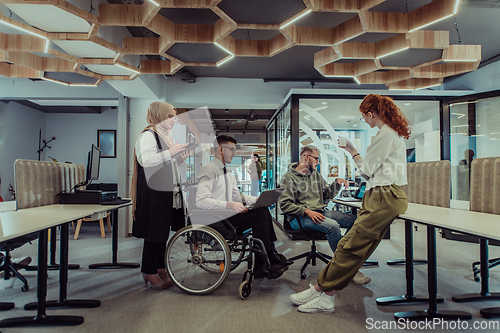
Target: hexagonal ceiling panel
197,53
261,11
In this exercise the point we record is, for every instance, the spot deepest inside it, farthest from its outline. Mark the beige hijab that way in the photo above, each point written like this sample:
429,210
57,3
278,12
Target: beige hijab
157,113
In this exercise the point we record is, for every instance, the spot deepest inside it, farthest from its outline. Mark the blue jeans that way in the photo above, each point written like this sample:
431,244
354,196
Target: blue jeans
334,220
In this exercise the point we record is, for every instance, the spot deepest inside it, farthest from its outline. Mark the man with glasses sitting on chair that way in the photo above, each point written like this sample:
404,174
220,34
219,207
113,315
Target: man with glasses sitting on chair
217,190
304,198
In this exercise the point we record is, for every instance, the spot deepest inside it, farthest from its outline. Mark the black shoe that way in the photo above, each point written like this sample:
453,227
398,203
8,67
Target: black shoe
278,258
260,272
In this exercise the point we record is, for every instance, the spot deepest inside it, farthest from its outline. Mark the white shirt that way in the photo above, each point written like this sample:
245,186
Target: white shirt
385,160
211,187
147,153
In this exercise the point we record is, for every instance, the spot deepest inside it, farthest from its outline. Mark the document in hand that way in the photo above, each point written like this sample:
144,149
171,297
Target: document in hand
267,198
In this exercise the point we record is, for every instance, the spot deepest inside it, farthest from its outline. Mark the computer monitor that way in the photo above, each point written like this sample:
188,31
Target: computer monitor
93,164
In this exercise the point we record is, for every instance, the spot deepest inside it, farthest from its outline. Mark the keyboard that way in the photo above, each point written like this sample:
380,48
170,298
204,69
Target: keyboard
115,202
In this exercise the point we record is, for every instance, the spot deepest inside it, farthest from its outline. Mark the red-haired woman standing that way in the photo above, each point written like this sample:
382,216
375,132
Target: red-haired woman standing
385,168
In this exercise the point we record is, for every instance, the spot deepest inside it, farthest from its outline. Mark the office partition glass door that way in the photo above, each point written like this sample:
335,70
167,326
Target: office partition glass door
474,132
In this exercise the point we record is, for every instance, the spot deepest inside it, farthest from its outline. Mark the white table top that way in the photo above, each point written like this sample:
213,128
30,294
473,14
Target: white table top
6,206
22,222
473,223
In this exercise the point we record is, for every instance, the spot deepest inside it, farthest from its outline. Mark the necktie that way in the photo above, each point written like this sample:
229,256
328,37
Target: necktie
226,187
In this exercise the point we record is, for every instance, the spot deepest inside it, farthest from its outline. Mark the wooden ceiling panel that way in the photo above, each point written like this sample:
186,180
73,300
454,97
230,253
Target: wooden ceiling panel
359,38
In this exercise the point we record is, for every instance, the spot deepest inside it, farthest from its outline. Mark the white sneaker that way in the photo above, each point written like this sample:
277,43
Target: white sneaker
305,296
360,278
323,303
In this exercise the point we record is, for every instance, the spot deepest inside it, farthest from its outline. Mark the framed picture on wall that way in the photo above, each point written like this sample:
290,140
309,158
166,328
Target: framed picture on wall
106,141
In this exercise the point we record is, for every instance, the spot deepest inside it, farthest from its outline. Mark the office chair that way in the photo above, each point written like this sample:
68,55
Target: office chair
305,234
8,266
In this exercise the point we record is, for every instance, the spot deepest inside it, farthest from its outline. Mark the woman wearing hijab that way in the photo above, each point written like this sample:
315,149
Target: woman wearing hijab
154,181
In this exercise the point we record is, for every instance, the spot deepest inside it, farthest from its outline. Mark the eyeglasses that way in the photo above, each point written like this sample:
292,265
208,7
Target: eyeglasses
232,149
171,116
316,158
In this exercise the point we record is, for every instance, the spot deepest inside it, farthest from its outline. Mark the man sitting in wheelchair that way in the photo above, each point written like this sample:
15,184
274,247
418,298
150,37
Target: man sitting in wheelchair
217,190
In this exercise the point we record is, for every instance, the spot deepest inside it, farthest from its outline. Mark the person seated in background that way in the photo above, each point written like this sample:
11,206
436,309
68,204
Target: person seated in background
217,190
304,198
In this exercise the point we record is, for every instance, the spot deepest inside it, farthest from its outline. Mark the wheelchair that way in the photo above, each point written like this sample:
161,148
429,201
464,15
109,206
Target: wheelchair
200,257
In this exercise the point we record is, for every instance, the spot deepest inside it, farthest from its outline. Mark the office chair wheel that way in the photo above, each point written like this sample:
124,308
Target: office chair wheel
198,259
476,278
245,289
303,276
25,288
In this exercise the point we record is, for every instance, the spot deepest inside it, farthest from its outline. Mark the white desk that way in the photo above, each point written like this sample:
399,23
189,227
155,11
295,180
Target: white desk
485,226
18,223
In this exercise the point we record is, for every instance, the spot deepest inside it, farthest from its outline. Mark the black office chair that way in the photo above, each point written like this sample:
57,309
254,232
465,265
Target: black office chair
305,234
8,266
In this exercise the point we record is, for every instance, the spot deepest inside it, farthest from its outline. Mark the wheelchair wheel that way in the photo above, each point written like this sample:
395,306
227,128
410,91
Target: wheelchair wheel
245,289
198,259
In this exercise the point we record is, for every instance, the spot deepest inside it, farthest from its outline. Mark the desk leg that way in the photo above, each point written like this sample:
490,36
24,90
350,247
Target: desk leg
53,249
63,281
41,318
115,263
409,297
432,312
485,292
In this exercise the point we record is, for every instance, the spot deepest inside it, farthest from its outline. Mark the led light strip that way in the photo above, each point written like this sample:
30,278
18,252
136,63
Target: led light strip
224,61
385,55
154,2
22,29
55,81
467,102
130,69
455,10
460,60
434,85
222,47
295,19
345,76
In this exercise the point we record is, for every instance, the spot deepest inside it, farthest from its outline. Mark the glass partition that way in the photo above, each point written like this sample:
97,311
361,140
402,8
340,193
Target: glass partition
322,120
474,132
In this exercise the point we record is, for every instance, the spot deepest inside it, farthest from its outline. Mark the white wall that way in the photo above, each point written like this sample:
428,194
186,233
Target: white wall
75,134
19,135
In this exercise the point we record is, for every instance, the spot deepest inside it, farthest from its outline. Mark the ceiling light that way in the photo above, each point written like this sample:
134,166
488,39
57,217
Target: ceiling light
223,61
154,2
354,125
295,19
55,81
456,7
356,79
401,89
423,26
324,103
460,60
467,102
22,29
321,108
222,47
127,68
407,103
385,55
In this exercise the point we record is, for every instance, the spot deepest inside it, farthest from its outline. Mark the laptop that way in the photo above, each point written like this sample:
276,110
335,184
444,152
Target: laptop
267,198
358,195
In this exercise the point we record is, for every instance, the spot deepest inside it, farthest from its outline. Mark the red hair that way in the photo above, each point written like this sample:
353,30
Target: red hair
388,112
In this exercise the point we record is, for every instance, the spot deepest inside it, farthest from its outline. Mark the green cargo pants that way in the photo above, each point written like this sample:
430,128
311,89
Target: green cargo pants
380,206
